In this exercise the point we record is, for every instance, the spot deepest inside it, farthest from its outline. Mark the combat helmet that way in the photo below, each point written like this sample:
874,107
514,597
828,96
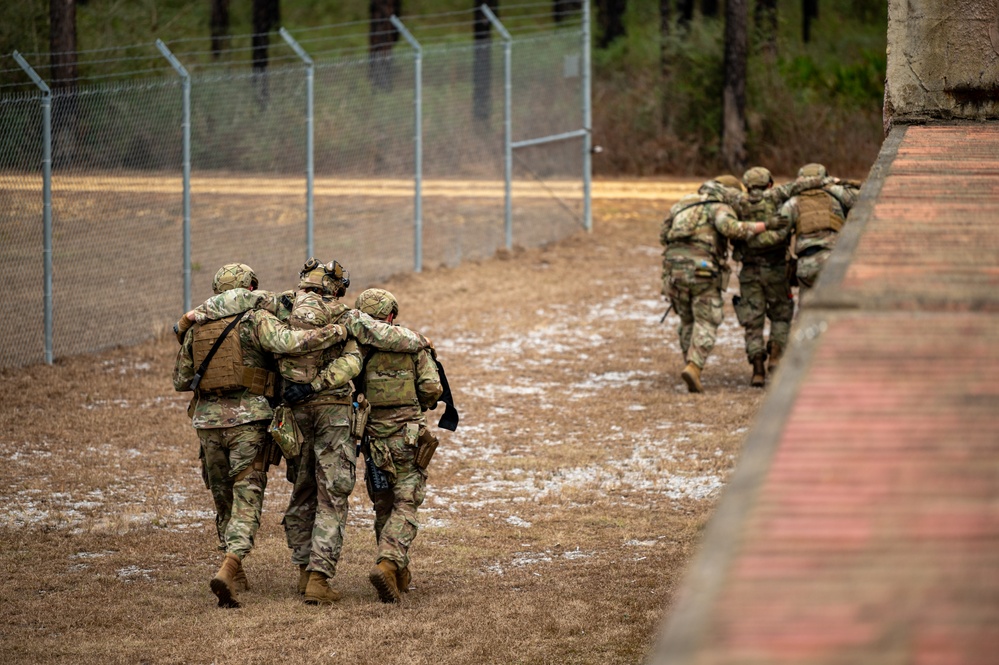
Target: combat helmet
377,303
757,177
729,181
328,278
234,276
812,170
716,190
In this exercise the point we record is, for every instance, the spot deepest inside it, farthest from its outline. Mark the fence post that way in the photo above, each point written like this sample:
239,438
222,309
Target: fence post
587,122
418,142
46,200
185,125
310,171
507,126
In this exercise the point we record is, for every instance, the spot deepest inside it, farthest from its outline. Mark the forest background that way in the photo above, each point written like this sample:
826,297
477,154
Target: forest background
813,85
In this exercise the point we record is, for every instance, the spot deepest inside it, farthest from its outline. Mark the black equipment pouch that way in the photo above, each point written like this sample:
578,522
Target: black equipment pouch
375,478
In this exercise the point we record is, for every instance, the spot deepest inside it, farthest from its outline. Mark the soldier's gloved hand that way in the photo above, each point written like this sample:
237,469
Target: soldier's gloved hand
296,392
775,223
339,332
181,327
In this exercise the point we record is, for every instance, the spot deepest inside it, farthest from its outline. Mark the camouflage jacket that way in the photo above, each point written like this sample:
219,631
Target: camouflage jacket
697,232
261,334
239,300
841,199
400,387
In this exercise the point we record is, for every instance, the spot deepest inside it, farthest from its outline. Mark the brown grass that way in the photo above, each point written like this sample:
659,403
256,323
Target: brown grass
558,520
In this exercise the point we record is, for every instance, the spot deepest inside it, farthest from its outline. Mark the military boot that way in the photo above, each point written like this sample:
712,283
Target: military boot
239,579
759,372
383,576
776,351
404,577
224,583
318,590
692,377
303,578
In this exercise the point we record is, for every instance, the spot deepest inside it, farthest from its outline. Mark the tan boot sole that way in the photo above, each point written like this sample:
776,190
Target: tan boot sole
226,595
691,382
387,592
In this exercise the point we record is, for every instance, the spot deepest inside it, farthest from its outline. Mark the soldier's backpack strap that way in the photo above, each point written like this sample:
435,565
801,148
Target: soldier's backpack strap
215,347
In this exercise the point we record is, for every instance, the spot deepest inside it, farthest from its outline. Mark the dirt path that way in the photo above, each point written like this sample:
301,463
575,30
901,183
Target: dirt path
558,517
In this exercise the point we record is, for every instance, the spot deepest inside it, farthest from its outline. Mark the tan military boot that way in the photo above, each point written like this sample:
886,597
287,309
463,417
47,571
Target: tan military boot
404,577
224,584
692,377
318,590
303,578
759,372
383,576
776,351
239,579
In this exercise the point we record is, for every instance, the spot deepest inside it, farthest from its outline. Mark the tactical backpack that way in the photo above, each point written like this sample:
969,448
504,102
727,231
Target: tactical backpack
815,212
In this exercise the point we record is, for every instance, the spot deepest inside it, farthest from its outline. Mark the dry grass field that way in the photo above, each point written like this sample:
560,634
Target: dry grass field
558,520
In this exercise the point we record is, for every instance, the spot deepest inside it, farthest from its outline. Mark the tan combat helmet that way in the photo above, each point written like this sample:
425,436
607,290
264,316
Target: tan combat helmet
729,181
328,278
812,170
717,190
234,276
757,178
377,303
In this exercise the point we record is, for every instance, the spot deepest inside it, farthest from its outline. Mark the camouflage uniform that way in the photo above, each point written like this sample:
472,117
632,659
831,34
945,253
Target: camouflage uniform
764,289
232,424
829,203
325,473
695,266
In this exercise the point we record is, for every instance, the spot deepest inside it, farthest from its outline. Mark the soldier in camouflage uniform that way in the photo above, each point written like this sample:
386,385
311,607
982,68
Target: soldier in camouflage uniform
764,288
816,215
321,395
695,267
231,412
400,387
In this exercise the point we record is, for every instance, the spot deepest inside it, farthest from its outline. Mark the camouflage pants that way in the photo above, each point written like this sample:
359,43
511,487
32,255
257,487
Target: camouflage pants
810,266
395,510
323,480
764,293
229,452
699,306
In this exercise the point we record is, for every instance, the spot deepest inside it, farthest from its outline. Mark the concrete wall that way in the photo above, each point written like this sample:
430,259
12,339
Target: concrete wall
943,60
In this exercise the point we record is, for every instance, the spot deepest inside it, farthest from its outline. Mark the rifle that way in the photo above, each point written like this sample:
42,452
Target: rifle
666,313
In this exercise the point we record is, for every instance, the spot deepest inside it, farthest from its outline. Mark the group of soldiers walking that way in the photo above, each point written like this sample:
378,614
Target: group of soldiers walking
781,236
302,376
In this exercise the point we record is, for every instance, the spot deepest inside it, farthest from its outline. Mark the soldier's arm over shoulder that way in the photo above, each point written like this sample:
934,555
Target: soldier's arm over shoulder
229,303
727,224
428,380
341,370
278,337
847,196
380,335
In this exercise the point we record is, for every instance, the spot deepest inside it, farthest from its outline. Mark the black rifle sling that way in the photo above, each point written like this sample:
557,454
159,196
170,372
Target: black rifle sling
215,347
449,420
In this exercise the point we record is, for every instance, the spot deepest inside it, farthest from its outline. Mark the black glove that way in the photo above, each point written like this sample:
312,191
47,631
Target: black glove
776,223
296,392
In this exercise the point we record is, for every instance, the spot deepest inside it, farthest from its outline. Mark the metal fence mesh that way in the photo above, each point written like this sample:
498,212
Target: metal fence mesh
117,186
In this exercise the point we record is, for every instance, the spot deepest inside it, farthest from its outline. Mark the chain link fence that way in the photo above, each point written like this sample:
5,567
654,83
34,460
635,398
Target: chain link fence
382,193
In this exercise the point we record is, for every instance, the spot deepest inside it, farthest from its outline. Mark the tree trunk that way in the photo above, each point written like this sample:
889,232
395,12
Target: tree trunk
563,9
734,94
665,17
809,11
686,11
610,16
382,36
219,24
266,16
65,109
709,8
482,70
766,27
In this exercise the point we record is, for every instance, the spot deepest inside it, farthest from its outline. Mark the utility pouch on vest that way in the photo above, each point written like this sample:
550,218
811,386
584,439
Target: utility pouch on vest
259,381
427,446
285,431
362,409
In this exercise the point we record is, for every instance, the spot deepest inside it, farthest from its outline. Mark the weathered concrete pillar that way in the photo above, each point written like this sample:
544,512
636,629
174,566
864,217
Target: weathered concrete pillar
943,60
